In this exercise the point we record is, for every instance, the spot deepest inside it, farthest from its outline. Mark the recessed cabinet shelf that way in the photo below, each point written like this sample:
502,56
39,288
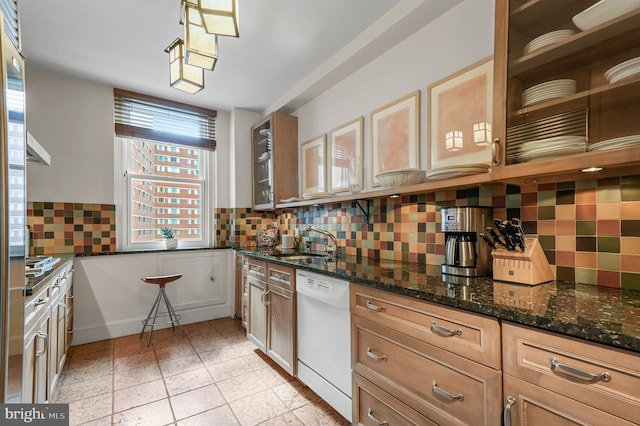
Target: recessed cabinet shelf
585,57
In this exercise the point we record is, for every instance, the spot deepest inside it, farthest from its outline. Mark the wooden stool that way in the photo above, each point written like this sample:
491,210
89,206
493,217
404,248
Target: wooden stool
174,318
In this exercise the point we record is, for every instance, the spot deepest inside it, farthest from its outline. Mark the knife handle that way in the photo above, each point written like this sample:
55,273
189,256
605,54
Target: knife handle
488,241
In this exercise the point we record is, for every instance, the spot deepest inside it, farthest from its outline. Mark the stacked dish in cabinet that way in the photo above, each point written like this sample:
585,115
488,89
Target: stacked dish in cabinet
572,72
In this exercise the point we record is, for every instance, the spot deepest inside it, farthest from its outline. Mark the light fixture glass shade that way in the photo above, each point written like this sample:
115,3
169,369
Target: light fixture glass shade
481,133
185,77
201,47
453,140
220,16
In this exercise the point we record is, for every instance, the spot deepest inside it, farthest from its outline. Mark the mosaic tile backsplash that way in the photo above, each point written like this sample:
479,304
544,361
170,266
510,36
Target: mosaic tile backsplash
63,228
589,229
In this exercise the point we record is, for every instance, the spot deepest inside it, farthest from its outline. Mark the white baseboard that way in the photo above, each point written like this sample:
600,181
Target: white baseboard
134,325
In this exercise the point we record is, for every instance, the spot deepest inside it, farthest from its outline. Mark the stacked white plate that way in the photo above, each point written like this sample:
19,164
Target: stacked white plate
620,142
316,195
549,147
623,70
458,170
603,11
546,40
548,90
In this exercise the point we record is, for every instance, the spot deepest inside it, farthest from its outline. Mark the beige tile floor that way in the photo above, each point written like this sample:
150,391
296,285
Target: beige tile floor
212,377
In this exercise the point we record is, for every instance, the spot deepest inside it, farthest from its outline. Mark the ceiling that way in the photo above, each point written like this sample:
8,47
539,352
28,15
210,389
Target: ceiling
288,50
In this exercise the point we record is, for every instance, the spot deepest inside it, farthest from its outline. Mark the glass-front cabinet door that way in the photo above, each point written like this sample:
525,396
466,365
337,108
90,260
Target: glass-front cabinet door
262,164
566,86
274,146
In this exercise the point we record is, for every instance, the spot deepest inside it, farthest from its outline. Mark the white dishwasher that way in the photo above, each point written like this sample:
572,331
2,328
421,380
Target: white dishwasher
324,338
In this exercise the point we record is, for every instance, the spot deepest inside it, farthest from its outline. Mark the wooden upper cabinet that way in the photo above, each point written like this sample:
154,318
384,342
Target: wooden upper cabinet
599,110
274,148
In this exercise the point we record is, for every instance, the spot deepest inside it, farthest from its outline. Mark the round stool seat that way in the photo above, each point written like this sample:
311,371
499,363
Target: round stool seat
162,279
174,318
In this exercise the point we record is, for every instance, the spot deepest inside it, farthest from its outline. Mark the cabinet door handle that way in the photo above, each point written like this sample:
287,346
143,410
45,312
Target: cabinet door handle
375,356
375,308
41,301
45,337
577,373
264,297
446,394
506,413
494,152
70,297
444,331
373,418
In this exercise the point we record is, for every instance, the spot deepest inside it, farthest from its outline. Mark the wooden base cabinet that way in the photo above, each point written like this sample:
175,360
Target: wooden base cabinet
272,312
551,379
48,335
396,351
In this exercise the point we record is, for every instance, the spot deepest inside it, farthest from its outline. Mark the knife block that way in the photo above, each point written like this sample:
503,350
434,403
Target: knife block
523,267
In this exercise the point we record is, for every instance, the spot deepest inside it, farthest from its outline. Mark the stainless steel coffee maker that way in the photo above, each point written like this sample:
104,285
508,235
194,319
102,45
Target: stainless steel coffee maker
465,255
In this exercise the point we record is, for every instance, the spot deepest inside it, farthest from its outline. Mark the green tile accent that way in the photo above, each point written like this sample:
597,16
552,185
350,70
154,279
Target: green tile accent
513,200
608,244
633,180
630,281
586,276
630,228
586,227
630,192
562,186
548,242
609,261
608,194
587,183
566,196
586,244
546,212
546,198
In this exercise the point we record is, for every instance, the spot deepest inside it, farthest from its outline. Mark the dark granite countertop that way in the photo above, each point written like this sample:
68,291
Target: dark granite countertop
145,251
595,313
32,284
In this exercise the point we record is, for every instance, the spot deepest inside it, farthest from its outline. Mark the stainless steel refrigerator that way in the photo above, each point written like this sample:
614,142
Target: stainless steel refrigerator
12,220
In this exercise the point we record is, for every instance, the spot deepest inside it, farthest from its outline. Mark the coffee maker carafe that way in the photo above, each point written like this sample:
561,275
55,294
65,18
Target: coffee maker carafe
464,255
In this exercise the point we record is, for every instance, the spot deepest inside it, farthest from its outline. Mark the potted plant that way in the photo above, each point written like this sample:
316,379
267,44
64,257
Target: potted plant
169,234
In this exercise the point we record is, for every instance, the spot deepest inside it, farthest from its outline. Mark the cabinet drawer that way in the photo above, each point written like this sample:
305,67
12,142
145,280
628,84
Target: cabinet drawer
448,388
373,406
281,276
257,269
536,406
469,335
529,354
35,307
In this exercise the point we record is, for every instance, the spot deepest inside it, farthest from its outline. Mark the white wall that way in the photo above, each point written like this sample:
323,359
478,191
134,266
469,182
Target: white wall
459,38
111,300
240,186
73,120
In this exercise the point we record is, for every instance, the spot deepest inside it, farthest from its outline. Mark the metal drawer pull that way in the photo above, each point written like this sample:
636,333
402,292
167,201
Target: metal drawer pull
373,418
41,301
494,152
376,308
506,413
444,331
577,373
45,336
444,393
376,356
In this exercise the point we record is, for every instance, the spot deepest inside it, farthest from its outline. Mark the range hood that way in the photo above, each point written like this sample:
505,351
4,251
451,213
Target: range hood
36,154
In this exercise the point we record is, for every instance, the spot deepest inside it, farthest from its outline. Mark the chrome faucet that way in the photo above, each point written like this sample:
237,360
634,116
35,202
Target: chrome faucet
330,248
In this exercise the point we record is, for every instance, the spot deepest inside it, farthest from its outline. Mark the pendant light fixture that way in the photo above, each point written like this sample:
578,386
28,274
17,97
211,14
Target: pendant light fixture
201,47
183,76
220,16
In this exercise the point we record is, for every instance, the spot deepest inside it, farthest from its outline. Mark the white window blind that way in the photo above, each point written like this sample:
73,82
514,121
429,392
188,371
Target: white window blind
9,10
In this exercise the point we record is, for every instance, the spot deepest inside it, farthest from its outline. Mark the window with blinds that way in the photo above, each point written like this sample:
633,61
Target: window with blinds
162,164
146,117
9,10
